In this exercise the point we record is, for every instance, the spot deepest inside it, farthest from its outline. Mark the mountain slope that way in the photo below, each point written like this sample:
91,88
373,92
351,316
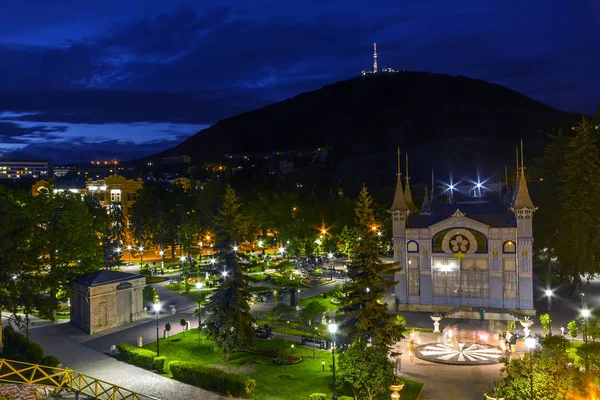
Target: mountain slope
439,118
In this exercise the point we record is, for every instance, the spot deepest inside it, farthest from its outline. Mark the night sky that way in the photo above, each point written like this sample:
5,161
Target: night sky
83,80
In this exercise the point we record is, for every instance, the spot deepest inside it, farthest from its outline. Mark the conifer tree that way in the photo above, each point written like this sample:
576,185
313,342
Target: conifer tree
230,322
364,312
579,194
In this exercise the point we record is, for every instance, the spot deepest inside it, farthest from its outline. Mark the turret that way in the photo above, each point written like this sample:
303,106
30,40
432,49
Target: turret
407,193
522,205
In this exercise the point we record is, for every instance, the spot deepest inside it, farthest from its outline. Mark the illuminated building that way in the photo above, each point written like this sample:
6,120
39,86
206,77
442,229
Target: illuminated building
22,169
474,254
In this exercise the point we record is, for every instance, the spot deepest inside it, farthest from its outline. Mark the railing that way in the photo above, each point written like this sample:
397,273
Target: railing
34,374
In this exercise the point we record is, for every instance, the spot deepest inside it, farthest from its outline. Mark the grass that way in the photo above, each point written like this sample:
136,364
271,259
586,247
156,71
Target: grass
326,302
290,382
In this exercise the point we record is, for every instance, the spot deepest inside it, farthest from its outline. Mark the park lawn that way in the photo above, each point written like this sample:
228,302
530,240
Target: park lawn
326,302
290,382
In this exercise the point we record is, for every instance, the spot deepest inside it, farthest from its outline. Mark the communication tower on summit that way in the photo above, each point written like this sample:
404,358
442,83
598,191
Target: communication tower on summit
374,57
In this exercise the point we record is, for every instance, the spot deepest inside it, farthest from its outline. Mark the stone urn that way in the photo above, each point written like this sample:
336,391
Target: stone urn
436,322
395,389
526,324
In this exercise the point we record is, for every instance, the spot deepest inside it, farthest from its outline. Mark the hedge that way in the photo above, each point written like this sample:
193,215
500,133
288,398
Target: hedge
317,396
159,363
50,361
213,379
141,357
345,398
17,346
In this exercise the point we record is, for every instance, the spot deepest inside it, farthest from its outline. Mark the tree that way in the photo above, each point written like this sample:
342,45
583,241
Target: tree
114,235
554,376
364,315
230,220
229,322
67,239
349,241
578,244
573,329
285,269
367,369
546,322
168,329
183,322
313,312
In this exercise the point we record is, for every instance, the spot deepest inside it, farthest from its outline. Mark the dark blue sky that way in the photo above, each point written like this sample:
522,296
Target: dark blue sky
120,79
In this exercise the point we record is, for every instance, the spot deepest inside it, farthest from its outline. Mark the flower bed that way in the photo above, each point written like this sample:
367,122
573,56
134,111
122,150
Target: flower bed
261,352
313,282
287,360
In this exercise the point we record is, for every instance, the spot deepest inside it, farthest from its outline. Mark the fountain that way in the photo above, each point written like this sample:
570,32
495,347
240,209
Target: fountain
452,349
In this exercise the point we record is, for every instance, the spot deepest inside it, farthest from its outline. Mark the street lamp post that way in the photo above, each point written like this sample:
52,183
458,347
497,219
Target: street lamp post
156,307
162,259
118,251
141,250
586,314
549,296
129,248
530,342
224,276
346,269
199,287
332,331
285,331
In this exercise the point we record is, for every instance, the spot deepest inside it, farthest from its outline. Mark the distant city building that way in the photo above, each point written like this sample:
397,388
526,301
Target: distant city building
184,159
474,254
112,189
23,169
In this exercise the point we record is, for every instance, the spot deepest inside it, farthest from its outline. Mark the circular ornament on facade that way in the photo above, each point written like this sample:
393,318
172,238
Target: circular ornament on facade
459,241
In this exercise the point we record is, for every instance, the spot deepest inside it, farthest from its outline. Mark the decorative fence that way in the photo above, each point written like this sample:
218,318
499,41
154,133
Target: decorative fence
63,378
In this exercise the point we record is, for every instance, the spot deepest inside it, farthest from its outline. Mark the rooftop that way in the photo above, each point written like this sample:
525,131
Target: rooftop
105,277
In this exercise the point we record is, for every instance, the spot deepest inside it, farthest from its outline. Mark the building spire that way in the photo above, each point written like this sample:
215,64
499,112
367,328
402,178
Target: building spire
399,203
407,193
426,205
522,198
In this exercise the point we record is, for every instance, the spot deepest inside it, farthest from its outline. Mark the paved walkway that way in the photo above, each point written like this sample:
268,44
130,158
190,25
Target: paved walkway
60,340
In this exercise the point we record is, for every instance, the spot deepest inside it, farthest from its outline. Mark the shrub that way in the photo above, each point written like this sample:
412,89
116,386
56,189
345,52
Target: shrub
155,279
143,358
317,396
50,361
324,295
18,347
345,398
213,379
125,349
159,363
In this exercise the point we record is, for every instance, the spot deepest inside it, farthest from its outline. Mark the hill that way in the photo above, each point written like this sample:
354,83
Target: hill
442,120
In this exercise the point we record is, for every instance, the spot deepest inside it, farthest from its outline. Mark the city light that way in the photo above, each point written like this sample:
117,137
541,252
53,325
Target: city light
585,313
281,250
161,253
156,307
332,328
235,248
182,258
141,248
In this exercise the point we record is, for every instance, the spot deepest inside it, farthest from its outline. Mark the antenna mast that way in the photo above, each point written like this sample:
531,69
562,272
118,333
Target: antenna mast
374,57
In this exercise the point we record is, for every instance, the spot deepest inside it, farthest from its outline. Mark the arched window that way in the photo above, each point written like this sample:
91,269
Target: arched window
509,247
412,247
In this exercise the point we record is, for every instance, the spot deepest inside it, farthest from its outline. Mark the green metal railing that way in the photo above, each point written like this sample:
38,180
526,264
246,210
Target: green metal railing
64,378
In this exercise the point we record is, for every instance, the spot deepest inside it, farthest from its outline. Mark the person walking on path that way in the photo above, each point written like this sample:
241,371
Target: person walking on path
411,352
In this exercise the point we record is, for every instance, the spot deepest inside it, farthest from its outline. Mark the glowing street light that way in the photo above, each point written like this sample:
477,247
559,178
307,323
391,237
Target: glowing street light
156,307
332,330
260,243
530,343
199,287
549,296
379,233
224,273
141,250
281,250
235,248
212,261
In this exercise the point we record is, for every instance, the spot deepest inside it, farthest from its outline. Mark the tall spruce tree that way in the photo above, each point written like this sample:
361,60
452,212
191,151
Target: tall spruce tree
578,243
364,313
230,321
